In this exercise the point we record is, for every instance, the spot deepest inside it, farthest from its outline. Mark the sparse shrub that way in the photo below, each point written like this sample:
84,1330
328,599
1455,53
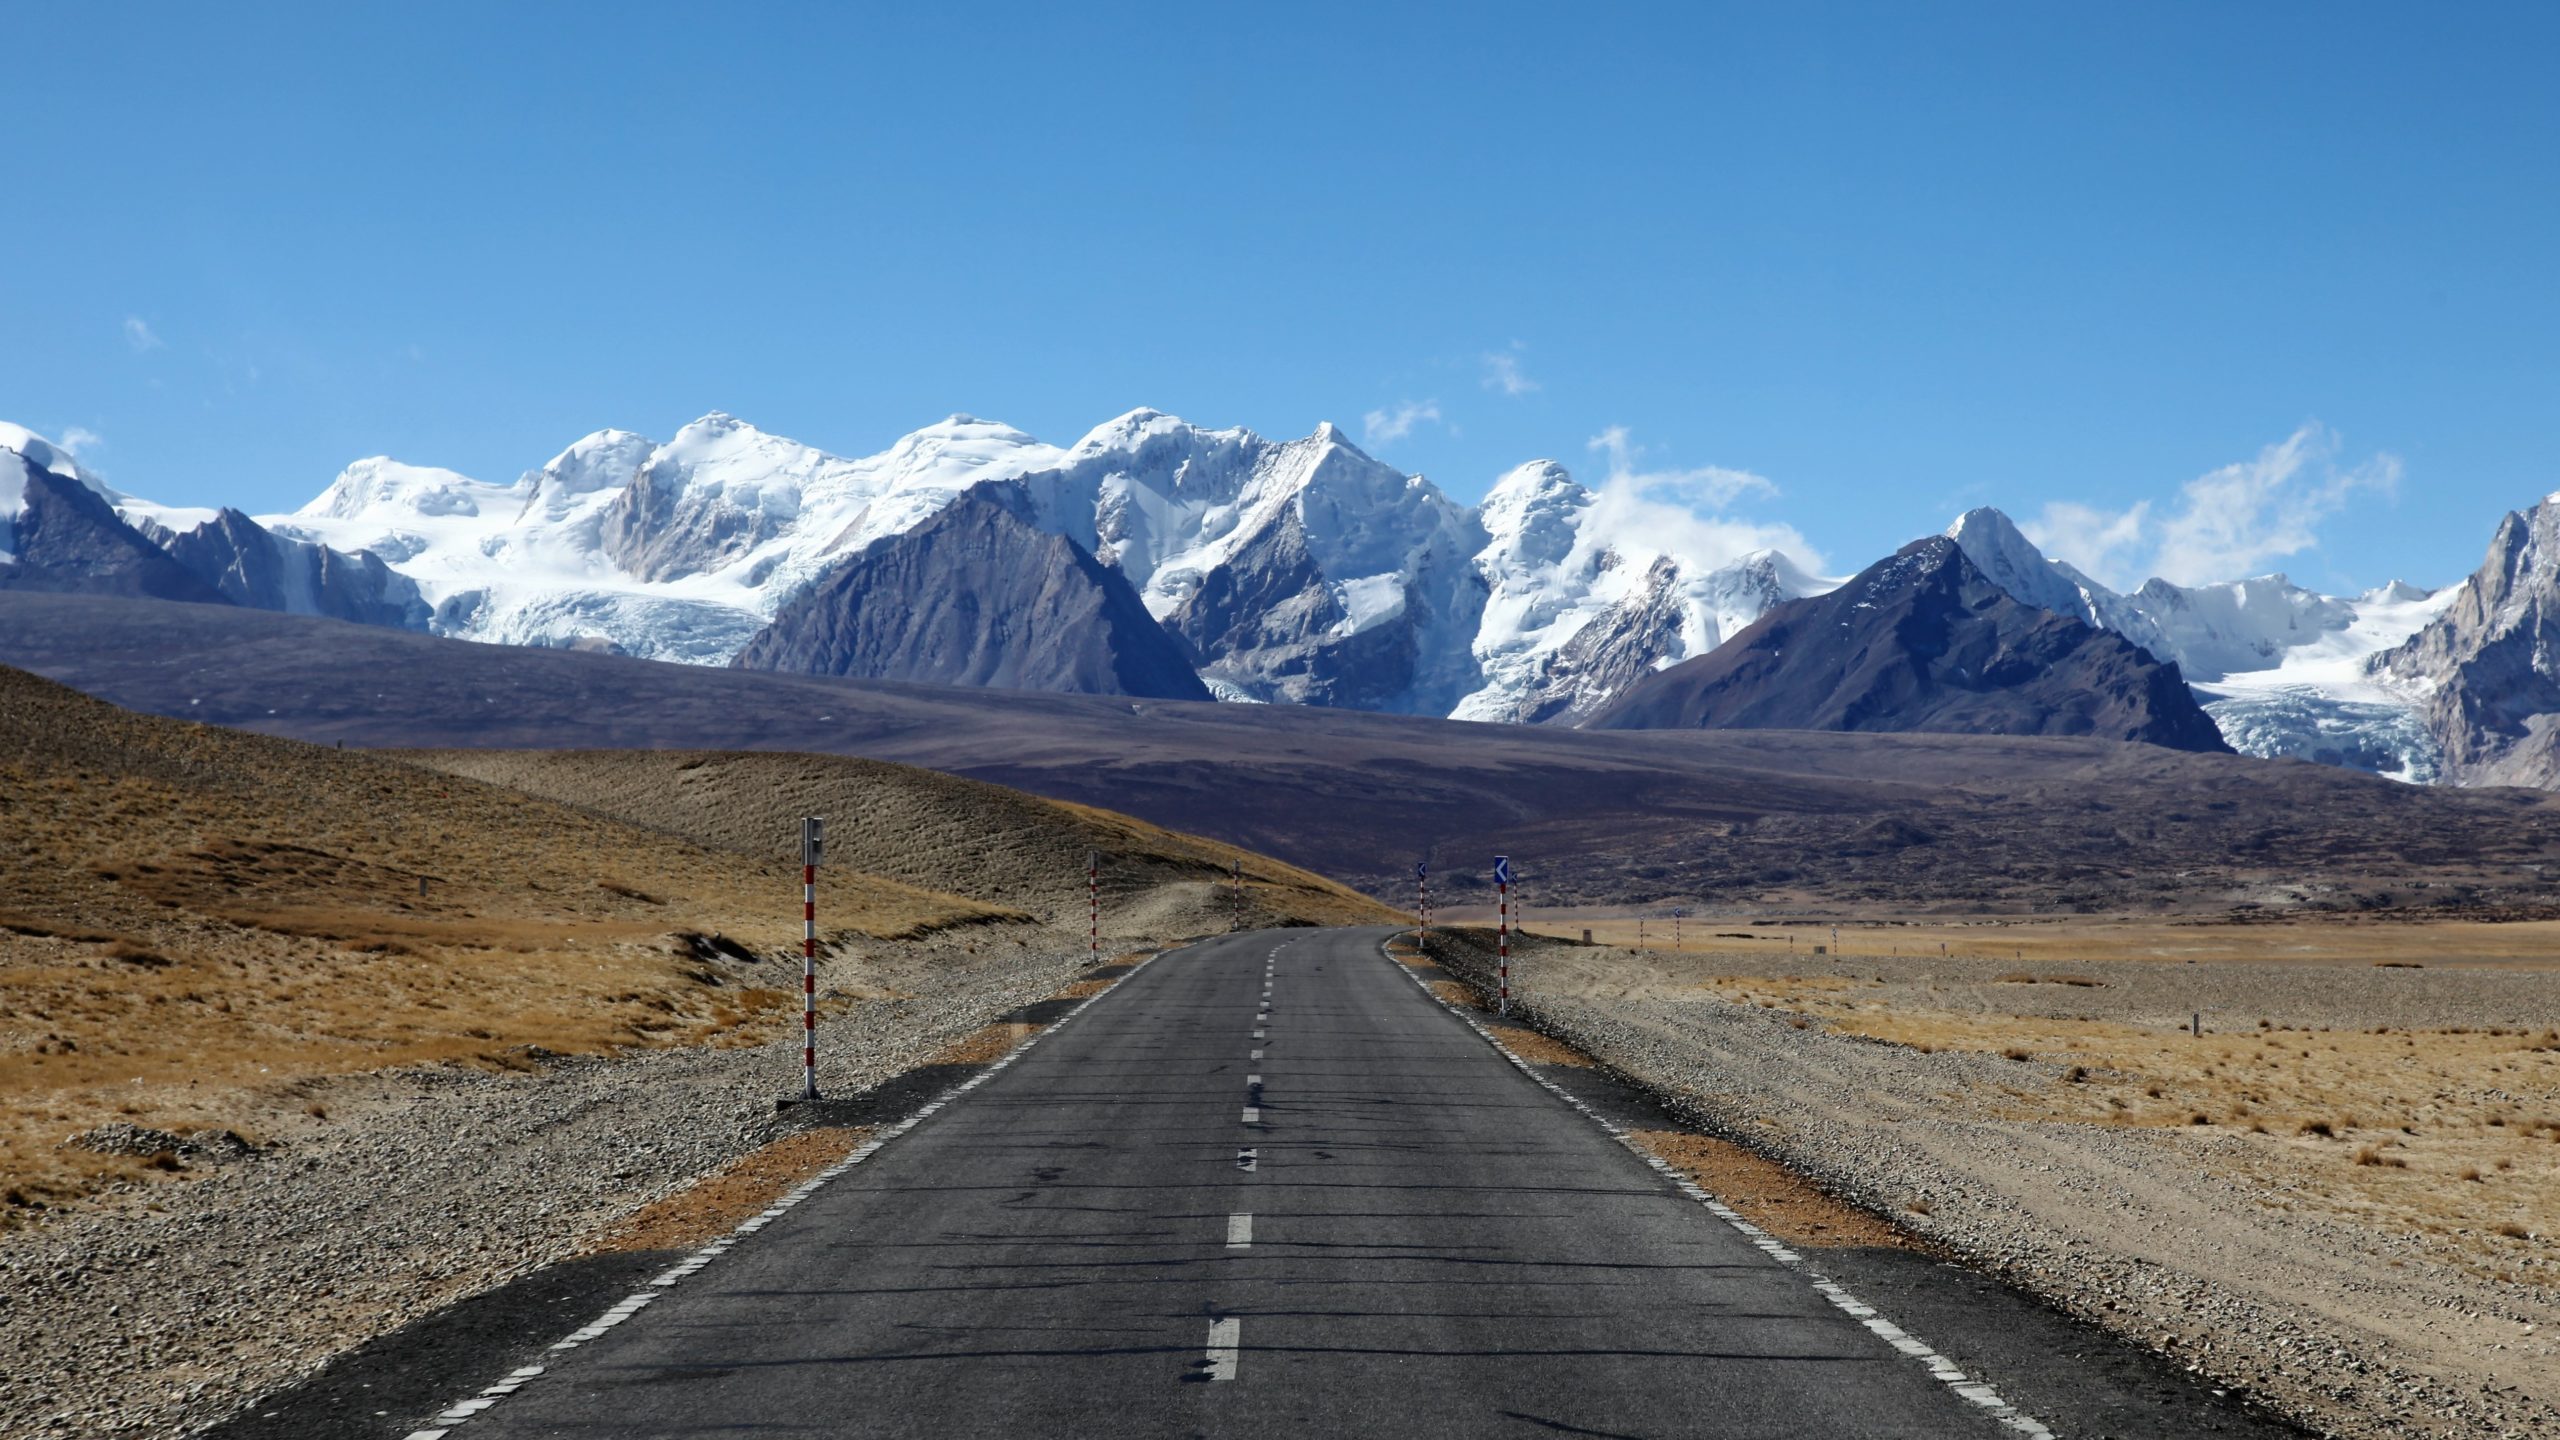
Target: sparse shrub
2509,1228
1919,1206
2470,1173
316,1110
2199,1118
2076,1075
2321,1128
133,954
2014,1053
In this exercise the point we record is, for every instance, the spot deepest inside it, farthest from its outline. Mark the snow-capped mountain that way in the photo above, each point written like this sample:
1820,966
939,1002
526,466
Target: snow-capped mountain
1297,571
2485,670
78,533
1577,610
674,551
1922,640
2283,670
1301,571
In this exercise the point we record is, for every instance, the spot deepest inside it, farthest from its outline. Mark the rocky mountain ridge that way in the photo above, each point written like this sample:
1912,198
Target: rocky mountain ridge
1923,641
1300,571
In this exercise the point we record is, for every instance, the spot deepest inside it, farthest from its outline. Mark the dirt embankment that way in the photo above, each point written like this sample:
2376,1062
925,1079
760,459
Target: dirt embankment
2347,1210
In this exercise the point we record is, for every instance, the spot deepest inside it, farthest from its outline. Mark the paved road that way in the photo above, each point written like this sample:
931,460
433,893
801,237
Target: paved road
1425,1243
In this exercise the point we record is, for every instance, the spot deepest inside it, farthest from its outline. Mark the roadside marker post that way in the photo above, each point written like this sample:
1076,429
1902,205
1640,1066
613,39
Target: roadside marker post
1502,880
1236,920
813,848
1093,896
1676,914
1641,952
1422,883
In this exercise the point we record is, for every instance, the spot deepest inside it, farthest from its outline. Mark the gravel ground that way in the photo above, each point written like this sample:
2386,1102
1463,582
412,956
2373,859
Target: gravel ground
172,1306
2157,1235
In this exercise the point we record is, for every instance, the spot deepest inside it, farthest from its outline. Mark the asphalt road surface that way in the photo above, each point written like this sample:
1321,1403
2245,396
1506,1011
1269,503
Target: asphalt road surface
1184,1213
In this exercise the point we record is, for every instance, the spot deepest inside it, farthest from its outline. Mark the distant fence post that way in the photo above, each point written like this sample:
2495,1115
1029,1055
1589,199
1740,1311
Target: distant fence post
813,848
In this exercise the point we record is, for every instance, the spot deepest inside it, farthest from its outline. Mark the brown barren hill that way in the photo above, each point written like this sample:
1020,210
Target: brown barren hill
192,919
933,830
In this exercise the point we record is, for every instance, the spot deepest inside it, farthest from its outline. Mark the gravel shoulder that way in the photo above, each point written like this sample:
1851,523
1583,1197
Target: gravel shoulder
2204,1243
168,1307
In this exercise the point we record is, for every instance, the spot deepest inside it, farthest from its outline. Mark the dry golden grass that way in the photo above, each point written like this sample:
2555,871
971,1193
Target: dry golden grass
194,922
1768,1194
713,1205
2447,1132
983,1045
1537,1049
2339,940
1456,994
938,831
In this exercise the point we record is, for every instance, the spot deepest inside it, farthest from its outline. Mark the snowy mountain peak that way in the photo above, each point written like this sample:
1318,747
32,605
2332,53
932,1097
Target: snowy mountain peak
46,455
2008,559
1134,430
380,485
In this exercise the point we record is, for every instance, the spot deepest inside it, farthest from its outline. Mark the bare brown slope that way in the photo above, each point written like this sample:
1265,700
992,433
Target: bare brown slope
192,918
1785,818
928,829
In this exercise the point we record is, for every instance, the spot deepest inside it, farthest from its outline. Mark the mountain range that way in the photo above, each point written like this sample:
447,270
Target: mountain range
1292,572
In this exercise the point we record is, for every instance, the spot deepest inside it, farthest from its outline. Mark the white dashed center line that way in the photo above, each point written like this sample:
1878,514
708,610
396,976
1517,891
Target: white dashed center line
1253,1114
1248,1160
1240,1232
1224,1337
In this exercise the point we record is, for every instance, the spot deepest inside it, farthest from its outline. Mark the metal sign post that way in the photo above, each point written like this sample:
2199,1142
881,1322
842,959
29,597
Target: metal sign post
813,848
1502,879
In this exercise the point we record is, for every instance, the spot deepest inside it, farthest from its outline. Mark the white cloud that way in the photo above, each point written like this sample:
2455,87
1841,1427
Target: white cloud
2226,524
1385,427
2232,521
1711,486
1502,371
138,334
2102,544
79,438
1678,512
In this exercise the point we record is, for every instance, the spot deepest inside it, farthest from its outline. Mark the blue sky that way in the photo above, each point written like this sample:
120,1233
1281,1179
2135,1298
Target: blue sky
1894,259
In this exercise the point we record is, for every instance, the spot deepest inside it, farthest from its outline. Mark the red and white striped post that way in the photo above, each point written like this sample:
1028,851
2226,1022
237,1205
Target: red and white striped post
813,844
1422,885
1093,894
1235,921
1502,881
1675,928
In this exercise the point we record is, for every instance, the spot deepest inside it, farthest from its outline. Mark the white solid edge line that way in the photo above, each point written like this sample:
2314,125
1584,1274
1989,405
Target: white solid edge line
1225,1337
630,1305
1945,1371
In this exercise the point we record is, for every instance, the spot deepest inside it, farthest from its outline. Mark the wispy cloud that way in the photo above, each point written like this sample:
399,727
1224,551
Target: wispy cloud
2100,543
1711,486
1385,427
1681,511
2226,524
1503,372
79,438
138,334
